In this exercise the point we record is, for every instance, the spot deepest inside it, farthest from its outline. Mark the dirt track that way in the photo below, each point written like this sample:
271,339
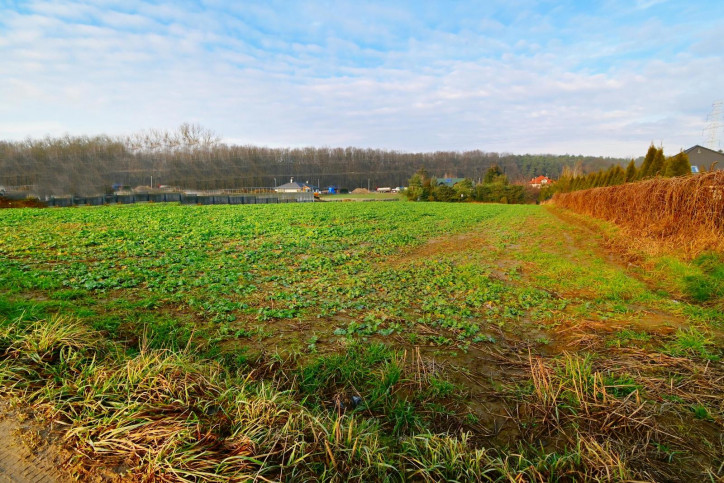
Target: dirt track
18,464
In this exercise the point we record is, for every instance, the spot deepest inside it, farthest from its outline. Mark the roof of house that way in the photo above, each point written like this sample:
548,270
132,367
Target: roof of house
448,181
291,186
698,147
540,179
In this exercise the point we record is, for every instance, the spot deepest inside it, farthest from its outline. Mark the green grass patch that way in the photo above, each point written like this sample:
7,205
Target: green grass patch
693,342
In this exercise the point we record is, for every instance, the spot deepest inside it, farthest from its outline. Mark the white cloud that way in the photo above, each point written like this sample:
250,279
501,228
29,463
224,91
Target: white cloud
489,84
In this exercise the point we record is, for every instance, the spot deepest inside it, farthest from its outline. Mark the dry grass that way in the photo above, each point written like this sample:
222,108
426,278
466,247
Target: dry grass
685,212
624,415
165,416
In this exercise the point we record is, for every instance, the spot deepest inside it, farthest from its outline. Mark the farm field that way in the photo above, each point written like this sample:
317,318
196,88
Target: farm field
361,341
363,197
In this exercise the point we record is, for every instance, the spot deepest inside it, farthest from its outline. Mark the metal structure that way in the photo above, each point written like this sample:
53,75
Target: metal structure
715,121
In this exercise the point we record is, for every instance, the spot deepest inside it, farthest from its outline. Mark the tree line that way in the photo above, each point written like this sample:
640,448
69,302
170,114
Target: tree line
655,163
192,157
493,187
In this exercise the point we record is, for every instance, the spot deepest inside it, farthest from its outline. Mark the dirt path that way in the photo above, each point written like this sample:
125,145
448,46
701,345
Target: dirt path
20,464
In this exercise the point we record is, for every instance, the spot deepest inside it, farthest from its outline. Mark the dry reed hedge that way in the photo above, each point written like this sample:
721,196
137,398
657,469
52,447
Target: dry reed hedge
686,211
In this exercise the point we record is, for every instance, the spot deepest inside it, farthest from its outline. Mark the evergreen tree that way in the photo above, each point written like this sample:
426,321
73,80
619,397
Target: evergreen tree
658,165
678,165
564,184
645,170
618,176
590,181
598,179
630,174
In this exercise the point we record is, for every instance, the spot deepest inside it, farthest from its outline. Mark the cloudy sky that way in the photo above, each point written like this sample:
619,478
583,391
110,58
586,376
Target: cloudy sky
578,77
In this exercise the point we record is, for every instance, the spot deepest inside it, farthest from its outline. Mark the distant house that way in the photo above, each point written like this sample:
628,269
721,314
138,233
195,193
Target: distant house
540,181
294,187
448,181
702,157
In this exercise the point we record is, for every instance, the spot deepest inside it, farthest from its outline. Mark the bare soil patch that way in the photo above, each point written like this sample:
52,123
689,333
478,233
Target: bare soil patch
8,203
28,452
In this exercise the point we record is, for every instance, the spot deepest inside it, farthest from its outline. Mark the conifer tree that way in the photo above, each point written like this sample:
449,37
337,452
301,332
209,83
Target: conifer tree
645,170
619,176
630,174
578,183
678,165
658,165
598,179
591,180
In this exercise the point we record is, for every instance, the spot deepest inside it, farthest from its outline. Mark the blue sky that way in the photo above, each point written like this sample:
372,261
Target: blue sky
599,78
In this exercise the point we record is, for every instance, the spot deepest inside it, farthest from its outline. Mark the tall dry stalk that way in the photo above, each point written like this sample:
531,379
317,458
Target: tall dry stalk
686,212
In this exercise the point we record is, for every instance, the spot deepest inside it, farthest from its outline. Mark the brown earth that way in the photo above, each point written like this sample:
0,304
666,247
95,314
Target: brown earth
8,203
27,453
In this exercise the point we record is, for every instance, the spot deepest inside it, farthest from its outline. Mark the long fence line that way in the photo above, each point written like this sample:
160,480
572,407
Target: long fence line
183,198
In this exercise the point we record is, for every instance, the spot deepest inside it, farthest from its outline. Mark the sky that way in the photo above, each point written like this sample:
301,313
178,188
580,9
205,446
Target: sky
603,78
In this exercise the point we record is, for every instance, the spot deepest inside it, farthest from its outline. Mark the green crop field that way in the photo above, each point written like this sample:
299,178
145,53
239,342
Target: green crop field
361,341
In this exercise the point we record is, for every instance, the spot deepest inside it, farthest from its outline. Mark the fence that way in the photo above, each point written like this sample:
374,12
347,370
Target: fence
183,198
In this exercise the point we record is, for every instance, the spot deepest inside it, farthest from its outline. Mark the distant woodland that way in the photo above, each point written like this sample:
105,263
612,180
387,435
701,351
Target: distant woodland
194,158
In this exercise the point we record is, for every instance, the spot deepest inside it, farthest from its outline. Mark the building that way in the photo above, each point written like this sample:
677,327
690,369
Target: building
294,187
704,158
540,181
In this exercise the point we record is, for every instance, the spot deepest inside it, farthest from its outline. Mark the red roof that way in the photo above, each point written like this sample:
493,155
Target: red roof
541,180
